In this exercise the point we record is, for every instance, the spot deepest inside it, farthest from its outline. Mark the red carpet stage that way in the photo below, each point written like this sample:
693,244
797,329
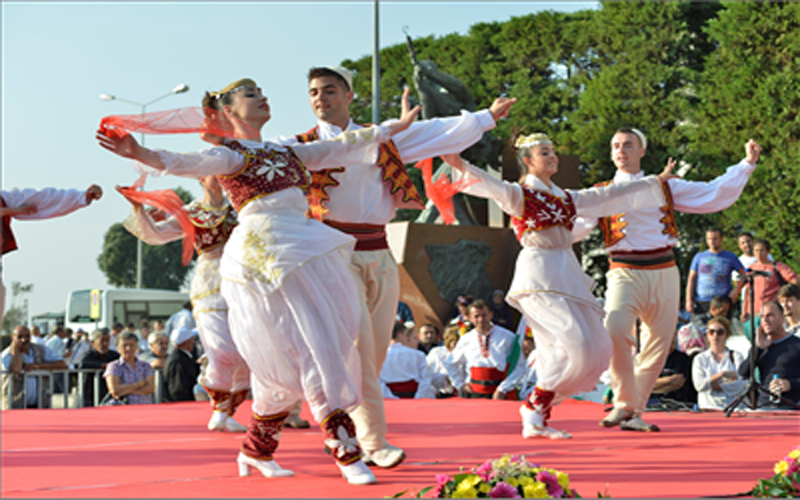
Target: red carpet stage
164,451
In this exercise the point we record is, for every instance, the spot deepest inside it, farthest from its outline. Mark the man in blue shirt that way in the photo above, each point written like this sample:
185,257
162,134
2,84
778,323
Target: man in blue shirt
710,274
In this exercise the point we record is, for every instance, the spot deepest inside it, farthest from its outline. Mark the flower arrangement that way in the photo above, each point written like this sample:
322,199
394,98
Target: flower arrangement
508,477
786,481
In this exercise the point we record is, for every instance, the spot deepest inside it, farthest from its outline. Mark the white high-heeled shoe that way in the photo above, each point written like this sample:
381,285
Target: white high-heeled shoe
232,425
357,473
533,425
217,421
269,468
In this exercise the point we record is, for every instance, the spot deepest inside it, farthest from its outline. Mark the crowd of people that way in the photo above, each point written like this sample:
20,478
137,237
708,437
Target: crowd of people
296,293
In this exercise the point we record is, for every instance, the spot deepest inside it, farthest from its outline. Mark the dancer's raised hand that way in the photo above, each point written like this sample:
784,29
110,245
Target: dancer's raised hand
407,114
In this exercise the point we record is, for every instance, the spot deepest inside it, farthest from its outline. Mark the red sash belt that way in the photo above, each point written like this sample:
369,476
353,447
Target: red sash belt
369,237
660,258
405,390
484,380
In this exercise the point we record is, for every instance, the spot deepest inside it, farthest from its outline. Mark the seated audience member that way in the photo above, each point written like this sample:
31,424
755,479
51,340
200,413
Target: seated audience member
714,370
777,357
436,360
182,369
674,384
529,380
158,342
486,362
23,356
97,357
405,373
36,335
128,377
500,311
158,327
789,299
428,338
462,317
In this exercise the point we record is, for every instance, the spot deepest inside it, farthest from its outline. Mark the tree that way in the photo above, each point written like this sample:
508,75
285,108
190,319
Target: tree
161,265
17,313
751,89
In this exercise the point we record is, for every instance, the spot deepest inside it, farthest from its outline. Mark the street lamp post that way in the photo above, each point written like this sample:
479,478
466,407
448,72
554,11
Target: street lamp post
180,89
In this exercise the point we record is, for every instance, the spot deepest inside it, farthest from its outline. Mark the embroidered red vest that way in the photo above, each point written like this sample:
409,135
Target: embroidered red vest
265,171
389,161
9,242
212,228
542,211
613,226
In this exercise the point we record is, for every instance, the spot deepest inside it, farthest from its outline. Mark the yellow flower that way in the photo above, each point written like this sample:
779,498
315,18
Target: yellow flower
795,454
526,481
563,479
465,492
470,481
484,488
512,481
535,490
781,467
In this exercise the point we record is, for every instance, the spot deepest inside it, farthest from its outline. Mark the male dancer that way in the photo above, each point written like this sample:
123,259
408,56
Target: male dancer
643,281
360,199
29,204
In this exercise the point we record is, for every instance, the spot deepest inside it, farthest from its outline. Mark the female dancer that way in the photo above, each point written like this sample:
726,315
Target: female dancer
226,378
285,277
549,287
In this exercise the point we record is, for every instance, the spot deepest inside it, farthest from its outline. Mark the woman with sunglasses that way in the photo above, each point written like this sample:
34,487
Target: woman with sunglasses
714,370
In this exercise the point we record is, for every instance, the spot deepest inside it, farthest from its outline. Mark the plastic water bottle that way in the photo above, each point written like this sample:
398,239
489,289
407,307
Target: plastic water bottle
774,399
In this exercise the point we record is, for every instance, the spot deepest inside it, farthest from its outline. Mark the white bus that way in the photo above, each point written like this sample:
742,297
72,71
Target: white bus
121,306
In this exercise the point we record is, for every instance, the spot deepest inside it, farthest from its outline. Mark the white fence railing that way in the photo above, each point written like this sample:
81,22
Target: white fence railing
70,384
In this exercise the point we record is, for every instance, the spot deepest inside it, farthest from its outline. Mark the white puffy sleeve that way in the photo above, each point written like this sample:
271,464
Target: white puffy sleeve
213,161
619,197
351,147
143,227
49,202
506,194
713,196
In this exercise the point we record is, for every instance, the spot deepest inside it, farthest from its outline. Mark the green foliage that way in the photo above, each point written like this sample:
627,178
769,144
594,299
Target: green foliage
17,312
161,265
699,78
779,486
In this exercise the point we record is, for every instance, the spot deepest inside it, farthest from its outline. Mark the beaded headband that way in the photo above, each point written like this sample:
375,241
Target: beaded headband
233,87
532,140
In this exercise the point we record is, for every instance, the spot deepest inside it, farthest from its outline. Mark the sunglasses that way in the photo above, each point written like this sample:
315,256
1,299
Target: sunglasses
716,331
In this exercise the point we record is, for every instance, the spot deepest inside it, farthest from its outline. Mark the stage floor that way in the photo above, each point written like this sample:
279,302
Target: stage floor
165,451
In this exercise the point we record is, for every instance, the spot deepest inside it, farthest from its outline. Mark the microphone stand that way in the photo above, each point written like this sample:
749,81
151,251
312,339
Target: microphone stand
753,387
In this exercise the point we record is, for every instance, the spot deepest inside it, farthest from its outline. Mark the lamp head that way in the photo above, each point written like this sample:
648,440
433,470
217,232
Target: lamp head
180,89
107,97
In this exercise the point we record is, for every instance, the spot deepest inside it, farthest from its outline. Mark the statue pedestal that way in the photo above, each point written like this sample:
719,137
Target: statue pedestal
437,262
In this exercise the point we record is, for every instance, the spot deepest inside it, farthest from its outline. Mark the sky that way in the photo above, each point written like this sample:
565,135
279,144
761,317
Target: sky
58,57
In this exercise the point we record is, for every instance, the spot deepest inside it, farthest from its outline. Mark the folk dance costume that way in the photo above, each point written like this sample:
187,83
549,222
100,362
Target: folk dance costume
437,360
644,282
49,203
360,198
289,290
405,374
549,287
226,378
481,361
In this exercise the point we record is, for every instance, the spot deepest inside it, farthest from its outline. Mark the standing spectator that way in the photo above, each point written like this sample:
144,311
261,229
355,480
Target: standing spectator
181,318
158,342
479,365
128,377
405,373
23,356
777,356
710,274
404,313
462,317
714,370
57,340
428,338
765,288
182,368
789,299
77,345
97,357
144,334
500,310
116,331
36,335
437,359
